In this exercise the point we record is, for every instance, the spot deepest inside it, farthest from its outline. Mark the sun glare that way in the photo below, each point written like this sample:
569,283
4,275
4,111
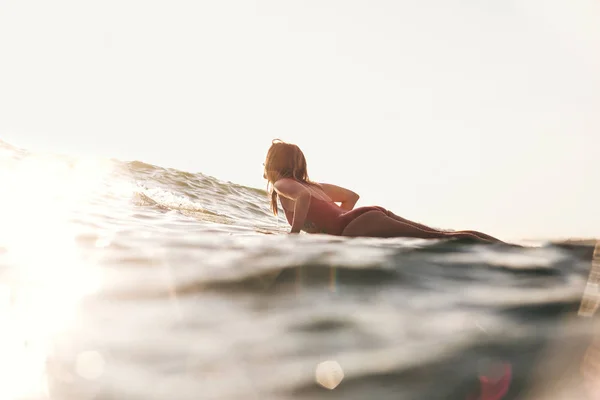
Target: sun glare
44,274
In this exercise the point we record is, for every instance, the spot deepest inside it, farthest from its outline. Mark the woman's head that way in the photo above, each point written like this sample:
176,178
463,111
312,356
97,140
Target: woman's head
284,160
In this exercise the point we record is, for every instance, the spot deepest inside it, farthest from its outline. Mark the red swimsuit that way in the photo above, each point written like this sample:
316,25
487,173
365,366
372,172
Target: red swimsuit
328,217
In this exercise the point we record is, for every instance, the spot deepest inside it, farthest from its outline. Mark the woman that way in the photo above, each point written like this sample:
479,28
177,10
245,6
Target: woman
311,206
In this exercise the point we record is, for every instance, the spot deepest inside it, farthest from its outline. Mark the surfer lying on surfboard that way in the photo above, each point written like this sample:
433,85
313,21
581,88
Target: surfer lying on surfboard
311,207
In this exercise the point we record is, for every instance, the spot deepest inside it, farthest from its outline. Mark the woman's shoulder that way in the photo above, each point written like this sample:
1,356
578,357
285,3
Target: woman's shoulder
289,187
293,181
285,182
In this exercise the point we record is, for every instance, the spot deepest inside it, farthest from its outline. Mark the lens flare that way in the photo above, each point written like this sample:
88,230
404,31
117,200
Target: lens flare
45,276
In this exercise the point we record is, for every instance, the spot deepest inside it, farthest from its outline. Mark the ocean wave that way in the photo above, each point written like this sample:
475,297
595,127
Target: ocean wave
146,281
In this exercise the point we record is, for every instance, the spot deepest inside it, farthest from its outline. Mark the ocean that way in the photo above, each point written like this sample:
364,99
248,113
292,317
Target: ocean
125,280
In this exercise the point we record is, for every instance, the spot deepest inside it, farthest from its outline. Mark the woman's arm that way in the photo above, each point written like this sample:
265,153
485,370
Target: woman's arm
338,194
300,212
300,195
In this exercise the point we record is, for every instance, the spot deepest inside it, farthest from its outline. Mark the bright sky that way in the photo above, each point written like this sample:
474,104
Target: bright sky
461,114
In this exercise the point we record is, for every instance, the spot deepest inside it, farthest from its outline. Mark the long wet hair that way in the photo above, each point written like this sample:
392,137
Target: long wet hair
284,160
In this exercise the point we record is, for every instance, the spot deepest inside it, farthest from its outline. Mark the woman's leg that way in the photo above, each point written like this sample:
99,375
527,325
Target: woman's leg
427,228
483,236
415,224
378,224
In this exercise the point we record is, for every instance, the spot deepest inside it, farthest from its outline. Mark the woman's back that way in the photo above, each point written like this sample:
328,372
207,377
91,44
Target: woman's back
323,214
